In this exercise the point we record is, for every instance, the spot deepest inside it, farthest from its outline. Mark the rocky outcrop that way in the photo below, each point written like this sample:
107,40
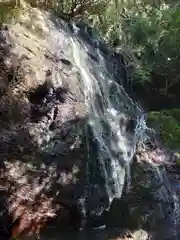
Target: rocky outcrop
152,200
42,114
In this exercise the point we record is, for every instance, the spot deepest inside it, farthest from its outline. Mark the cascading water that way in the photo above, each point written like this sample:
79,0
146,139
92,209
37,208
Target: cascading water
110,145
107,101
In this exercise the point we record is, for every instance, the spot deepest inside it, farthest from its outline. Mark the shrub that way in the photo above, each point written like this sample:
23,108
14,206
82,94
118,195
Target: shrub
168,122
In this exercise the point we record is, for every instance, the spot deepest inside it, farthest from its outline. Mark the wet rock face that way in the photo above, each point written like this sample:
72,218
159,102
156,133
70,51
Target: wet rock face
151,200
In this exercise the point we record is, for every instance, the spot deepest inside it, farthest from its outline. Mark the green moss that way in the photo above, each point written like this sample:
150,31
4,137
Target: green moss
9,12
168,123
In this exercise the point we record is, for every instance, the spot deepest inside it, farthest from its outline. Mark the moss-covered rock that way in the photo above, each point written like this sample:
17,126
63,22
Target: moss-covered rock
168,123
9,12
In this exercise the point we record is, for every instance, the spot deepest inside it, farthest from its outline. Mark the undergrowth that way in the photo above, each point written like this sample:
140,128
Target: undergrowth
168,123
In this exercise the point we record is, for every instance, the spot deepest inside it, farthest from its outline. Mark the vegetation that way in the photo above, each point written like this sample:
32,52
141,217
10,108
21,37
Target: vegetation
169,126
9,11
150,32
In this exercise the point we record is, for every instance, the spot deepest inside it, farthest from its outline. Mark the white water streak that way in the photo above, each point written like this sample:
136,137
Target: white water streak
117,143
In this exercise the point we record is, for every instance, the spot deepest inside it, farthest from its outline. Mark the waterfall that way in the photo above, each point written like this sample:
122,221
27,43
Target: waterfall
110,145
106,101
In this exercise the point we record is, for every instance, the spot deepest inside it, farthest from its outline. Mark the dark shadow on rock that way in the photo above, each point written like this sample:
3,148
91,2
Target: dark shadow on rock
5,217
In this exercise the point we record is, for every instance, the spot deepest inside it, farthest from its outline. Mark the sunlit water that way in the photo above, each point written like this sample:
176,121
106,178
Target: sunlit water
105,100
109,160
